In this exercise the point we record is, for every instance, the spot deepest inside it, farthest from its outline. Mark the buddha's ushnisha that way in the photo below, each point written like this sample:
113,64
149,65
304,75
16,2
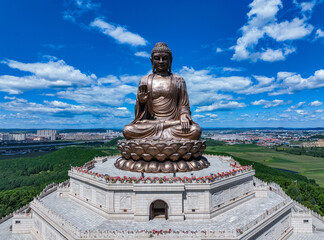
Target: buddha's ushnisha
162,109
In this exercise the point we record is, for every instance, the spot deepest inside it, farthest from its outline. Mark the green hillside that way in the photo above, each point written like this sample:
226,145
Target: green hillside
24,178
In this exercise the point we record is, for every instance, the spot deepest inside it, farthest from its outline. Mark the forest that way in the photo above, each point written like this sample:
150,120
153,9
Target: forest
24,178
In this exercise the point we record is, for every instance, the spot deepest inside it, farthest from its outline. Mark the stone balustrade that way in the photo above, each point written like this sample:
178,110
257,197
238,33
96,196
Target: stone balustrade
265,215
143,234
207,179
40,207
47,190
277,189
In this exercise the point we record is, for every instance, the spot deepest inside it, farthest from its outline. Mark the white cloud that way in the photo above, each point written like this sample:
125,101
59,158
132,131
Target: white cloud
319,34
45,75
76,8
86,4
319,110
298,105
102,95
219,50
262,23
110,90
263,80
265,84
9,98
203,81
221,106
296,29
196,116
61,109
316,103
291,82
268,104
56,71
301,112
231,69
142,54
212,115
120,34
305,6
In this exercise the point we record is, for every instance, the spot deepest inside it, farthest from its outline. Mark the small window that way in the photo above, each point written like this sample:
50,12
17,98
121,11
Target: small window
193,210
17,222
100,206
305,221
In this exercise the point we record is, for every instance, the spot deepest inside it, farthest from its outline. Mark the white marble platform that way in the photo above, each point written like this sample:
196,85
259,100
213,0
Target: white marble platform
85,219
217,165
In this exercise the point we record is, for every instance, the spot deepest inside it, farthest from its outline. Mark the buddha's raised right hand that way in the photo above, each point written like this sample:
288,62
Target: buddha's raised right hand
143,93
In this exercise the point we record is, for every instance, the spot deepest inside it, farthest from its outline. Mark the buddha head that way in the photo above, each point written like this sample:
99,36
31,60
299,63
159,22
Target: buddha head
161,58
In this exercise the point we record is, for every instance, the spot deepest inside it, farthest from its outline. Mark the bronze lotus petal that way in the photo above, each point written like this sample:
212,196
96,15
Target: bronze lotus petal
182,150
147,157
161,156
187,156
160,146
139,166
189,145
135,156
175,157
168,151
152,151
139,150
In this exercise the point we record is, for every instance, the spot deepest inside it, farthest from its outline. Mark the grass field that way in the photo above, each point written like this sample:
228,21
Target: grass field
311,167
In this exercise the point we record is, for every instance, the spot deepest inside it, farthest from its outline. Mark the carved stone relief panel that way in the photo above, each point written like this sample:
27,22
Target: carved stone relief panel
75,188
101,198
193,201
218,198
227,195
233,192
125,202
247,186
87,192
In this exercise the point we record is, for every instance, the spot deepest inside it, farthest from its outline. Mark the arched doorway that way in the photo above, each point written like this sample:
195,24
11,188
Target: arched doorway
159,209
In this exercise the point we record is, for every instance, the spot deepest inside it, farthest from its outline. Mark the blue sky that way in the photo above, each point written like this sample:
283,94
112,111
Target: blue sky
77,63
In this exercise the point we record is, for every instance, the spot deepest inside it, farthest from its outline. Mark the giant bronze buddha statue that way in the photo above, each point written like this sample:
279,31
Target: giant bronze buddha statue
162,108
163,137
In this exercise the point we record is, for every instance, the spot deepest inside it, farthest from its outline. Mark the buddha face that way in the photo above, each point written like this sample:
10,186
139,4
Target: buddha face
161,61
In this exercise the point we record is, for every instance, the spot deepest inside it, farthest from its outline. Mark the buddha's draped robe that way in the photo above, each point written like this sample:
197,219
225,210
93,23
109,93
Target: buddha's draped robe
159,117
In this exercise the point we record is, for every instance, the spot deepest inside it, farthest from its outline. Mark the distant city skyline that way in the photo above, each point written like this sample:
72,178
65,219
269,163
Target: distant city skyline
76,64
